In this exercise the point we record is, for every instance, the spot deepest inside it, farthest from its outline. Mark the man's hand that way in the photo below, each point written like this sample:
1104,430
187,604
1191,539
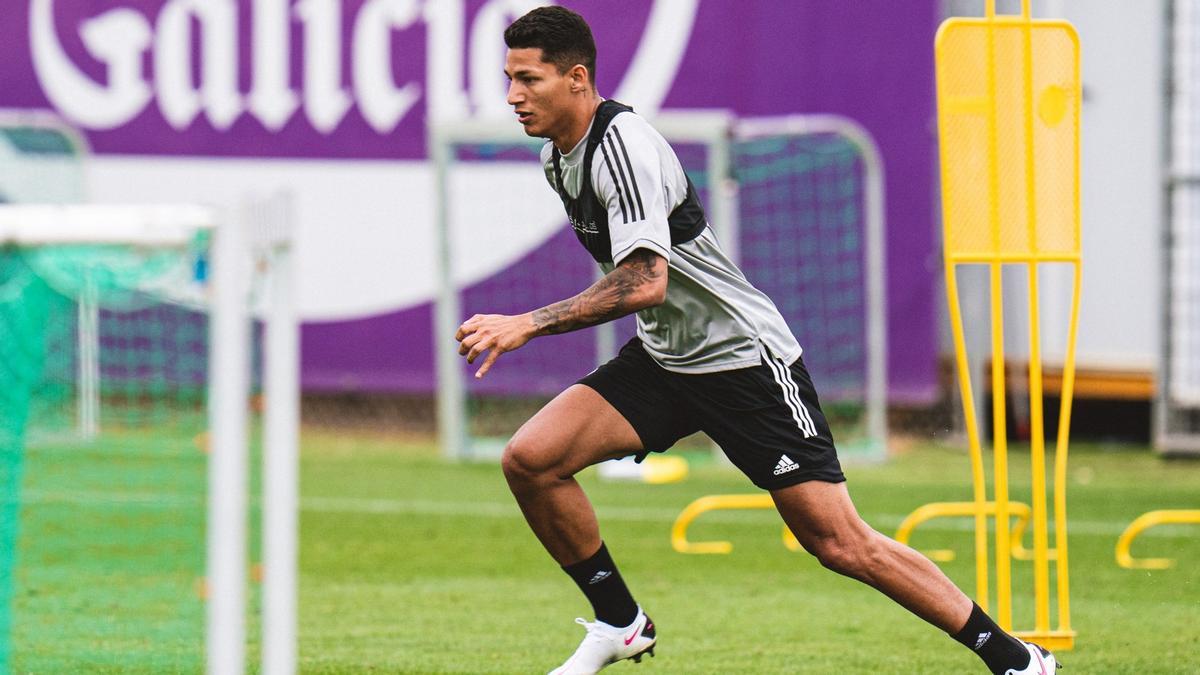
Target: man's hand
495,334
640,281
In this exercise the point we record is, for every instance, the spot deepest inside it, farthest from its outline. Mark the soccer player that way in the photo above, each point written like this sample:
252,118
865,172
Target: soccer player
712,354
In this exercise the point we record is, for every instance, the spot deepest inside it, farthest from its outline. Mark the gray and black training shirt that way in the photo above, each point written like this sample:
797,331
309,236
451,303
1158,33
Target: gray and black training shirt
637,196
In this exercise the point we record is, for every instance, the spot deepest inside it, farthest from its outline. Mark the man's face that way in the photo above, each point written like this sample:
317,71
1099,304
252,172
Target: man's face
538,93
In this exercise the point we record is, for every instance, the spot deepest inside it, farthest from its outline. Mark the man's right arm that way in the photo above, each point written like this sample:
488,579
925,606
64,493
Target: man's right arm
638,282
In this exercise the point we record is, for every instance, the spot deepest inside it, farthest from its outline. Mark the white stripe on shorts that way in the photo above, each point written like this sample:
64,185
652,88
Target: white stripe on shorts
791,395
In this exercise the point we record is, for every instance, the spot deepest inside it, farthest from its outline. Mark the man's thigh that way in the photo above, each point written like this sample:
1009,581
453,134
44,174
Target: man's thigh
817,510
645,396
576,429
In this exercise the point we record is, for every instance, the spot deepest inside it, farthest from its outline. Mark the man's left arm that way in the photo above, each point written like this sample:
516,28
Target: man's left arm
637,282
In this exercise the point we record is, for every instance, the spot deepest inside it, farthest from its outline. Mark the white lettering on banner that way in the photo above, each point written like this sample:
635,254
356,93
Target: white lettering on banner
218,95
381,103
119,38
444,62
271,101
325,101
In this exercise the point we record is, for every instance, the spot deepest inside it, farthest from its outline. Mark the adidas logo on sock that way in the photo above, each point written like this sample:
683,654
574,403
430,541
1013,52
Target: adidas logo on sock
600,576
785,465
983,638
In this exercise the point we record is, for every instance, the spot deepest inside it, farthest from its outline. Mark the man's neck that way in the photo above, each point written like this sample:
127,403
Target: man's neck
566,141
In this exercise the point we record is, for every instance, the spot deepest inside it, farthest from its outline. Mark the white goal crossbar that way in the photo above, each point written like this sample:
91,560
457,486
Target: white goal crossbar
164,226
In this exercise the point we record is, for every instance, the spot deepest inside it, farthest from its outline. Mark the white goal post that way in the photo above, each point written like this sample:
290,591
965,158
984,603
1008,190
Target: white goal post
719,132
255,239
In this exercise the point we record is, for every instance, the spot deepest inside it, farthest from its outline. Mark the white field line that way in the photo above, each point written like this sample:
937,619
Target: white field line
886,521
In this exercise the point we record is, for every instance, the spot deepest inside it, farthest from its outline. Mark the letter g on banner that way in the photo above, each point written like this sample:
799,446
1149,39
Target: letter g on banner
117,38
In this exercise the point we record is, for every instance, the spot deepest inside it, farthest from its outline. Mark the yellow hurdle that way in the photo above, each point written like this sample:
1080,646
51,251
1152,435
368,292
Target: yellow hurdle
1008,92
691,512
1141,524
944,509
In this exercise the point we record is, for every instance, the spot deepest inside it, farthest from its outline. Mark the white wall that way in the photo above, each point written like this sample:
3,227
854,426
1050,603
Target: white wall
1123,47
364,230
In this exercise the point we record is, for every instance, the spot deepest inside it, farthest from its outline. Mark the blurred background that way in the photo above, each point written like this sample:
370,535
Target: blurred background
205,102
791,116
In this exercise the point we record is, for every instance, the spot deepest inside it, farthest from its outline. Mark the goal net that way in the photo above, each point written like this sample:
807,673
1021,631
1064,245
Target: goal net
797,201
108,512
1177,409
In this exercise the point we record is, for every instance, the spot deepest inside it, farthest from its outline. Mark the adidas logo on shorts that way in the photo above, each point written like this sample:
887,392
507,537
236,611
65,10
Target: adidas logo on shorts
785,465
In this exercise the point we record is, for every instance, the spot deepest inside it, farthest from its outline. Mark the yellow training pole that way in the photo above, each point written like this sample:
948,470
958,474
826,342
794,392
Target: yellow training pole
978,482
1037,450
999,418
1064,426
979,485
1068,387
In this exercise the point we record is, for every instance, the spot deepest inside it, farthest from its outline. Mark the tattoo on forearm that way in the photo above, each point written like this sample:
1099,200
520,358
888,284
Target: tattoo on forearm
612,297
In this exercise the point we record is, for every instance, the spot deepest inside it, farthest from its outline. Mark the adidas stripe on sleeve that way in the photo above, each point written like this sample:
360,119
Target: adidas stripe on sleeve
627,178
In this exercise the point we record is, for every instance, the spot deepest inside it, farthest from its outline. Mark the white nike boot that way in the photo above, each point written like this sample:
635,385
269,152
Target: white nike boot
1041,662
605,644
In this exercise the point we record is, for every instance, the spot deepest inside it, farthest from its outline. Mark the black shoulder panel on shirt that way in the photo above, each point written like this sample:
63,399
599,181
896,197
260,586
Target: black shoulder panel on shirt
589,218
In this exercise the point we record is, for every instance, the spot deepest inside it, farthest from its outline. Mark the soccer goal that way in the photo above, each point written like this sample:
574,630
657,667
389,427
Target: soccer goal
796,200
1177,405
142,519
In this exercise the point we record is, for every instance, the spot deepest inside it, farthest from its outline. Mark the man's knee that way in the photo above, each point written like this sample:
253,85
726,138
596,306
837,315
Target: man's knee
853,554
834,554
527,461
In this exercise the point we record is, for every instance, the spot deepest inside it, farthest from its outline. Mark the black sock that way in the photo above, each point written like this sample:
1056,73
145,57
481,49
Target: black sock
600,581
999,650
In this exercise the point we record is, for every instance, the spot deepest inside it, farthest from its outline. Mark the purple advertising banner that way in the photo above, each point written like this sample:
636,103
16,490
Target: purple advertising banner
353,81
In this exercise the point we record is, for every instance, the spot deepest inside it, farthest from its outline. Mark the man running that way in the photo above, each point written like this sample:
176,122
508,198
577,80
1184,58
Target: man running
712,354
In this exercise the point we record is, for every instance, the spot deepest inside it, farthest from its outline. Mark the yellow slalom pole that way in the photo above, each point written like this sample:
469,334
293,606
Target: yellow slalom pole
979,485
1067,394
978,480
1037,458
1000,459
1037,445
1060,457
999,425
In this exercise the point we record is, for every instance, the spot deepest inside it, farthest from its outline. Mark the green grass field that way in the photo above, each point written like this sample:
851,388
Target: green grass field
413,565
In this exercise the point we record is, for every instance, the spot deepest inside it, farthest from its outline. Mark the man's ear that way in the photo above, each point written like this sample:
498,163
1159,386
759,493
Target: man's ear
580,78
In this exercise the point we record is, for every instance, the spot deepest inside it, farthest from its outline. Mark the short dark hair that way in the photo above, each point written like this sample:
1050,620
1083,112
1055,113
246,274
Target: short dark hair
563,36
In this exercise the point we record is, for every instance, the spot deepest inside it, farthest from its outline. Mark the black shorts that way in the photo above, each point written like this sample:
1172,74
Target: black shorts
766,417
